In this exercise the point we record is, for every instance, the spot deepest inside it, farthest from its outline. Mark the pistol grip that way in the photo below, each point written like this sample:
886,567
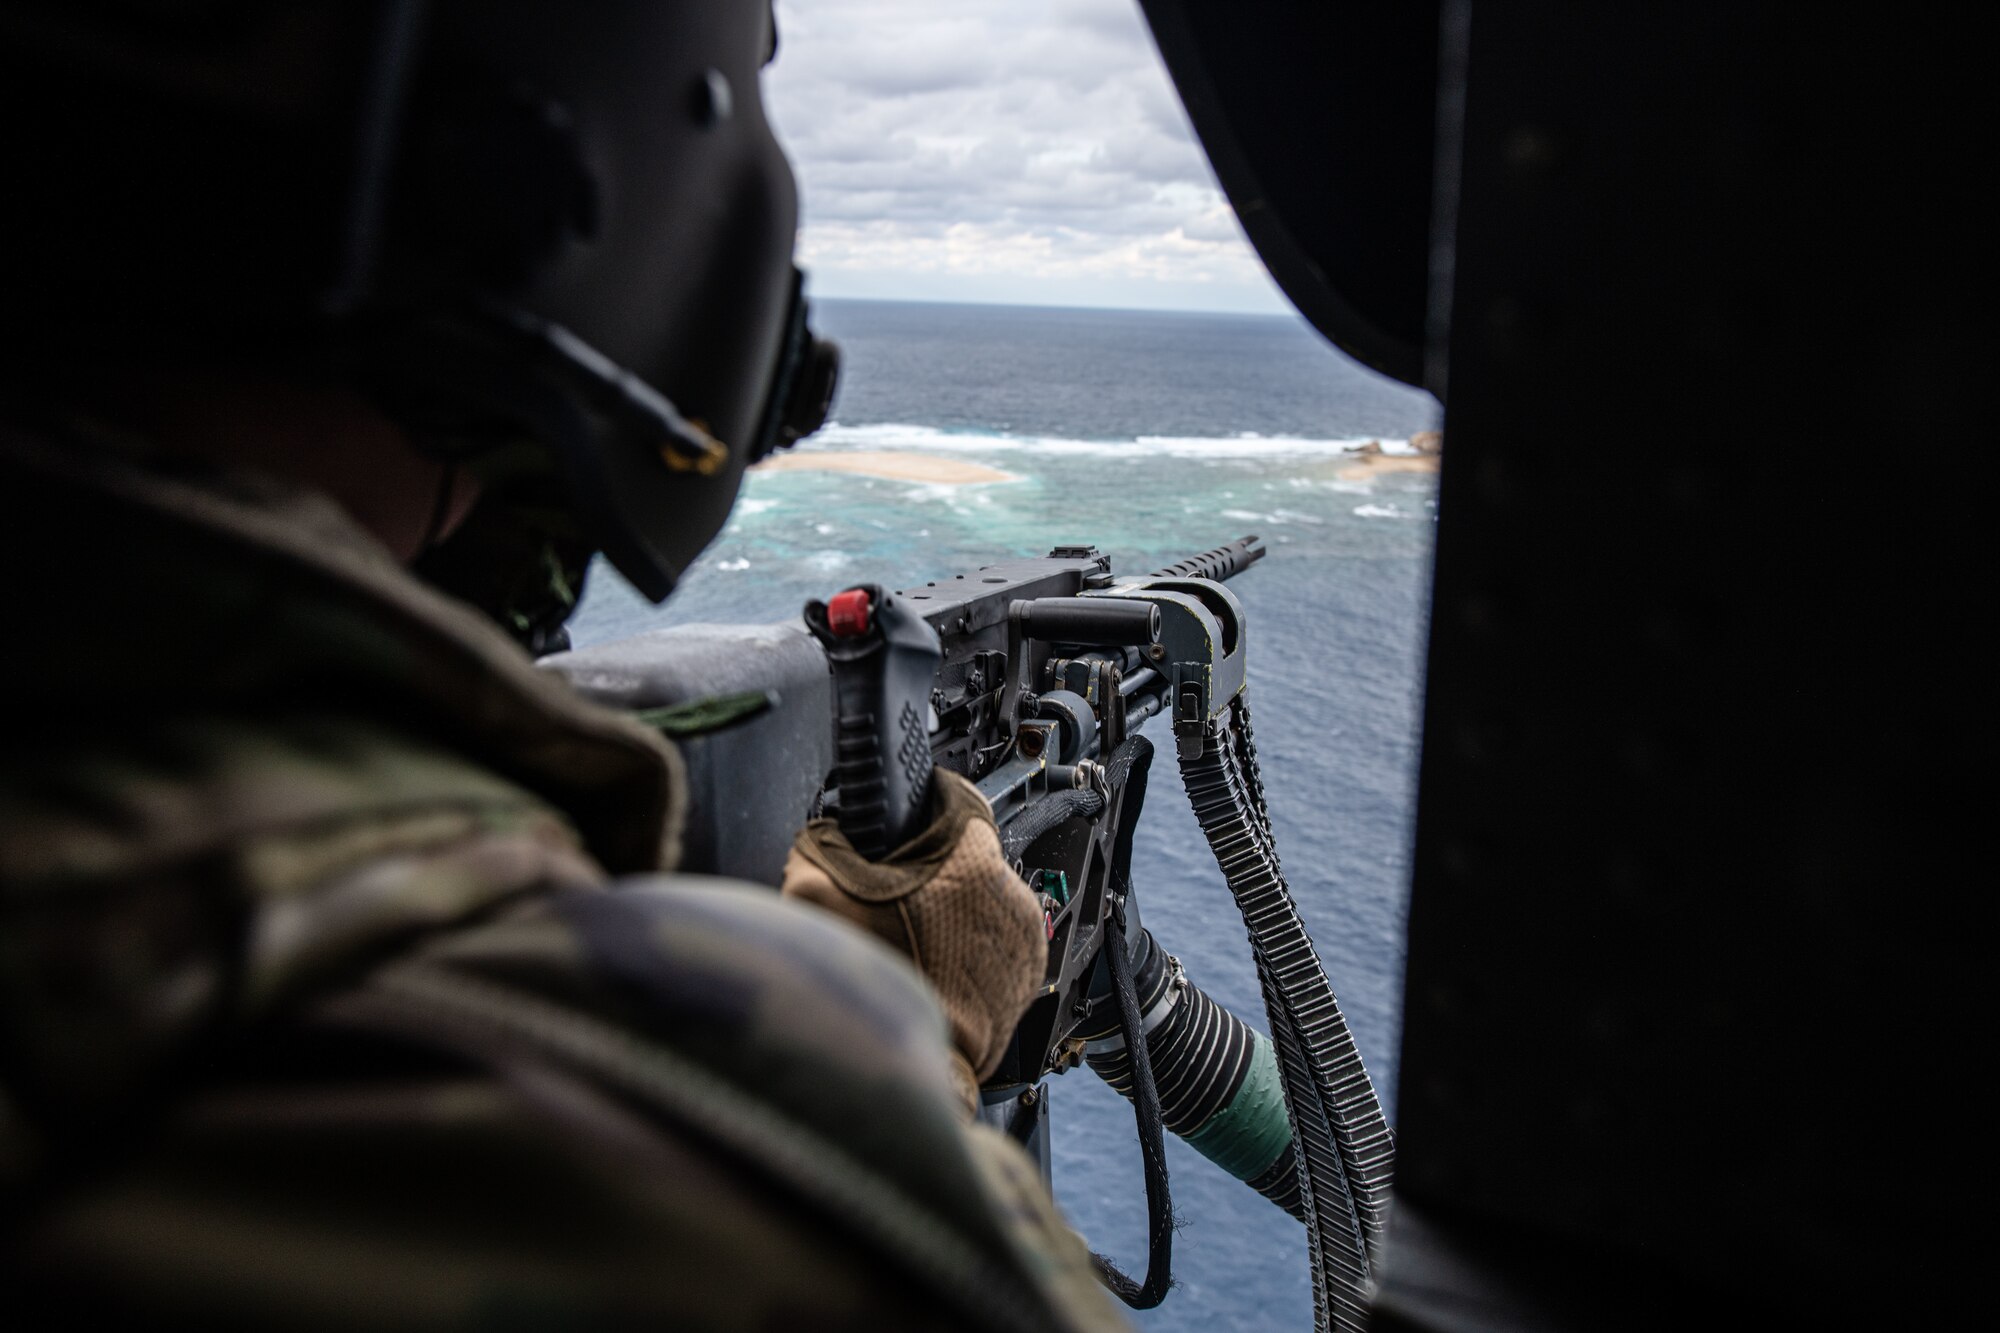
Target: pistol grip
884,658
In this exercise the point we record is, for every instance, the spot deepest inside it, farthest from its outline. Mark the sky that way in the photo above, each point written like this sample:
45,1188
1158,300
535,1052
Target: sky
1021,151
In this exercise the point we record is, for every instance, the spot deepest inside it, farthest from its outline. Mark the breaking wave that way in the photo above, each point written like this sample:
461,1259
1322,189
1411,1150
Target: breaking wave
1249,444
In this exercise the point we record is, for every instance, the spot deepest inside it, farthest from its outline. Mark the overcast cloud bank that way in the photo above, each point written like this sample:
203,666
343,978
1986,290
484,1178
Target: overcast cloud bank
1001,150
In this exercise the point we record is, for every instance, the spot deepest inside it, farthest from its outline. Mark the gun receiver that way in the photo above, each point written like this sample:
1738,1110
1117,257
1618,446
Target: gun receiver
1032,674
1048,666
1192,634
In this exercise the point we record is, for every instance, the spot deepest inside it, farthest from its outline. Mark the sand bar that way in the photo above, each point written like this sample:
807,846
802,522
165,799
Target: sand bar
888,465
1363,467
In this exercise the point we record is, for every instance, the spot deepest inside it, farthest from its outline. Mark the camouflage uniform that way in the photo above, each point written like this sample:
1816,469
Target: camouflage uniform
315,1009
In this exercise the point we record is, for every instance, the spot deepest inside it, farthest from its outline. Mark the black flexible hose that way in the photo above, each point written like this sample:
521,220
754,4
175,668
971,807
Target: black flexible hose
1152,1142
1216,1078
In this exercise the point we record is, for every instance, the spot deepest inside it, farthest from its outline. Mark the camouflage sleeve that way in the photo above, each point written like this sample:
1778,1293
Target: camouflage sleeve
682,1101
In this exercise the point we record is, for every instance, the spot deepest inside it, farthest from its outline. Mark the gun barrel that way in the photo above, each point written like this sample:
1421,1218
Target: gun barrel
1224,562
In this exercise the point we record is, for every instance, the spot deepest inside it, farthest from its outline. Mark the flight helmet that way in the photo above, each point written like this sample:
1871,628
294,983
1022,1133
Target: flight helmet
564,224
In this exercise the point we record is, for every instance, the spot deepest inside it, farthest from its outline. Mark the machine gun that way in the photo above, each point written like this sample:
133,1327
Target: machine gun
1029,677
1032,678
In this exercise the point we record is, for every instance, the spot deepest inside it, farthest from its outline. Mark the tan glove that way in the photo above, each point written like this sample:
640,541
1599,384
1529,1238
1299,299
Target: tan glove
948,900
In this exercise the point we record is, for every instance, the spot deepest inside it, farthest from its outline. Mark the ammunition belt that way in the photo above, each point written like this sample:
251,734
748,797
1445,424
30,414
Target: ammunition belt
1346,1150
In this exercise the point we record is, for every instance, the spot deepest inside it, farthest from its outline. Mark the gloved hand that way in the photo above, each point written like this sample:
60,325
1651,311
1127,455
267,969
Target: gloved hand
948,900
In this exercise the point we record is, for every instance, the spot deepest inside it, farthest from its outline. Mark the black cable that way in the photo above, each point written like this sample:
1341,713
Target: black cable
440,506
1152,1139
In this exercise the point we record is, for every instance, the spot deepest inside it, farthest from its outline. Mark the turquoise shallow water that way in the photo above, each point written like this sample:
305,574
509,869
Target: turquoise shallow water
1336,616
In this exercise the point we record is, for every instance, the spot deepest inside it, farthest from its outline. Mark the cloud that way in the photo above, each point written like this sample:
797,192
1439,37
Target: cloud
946,147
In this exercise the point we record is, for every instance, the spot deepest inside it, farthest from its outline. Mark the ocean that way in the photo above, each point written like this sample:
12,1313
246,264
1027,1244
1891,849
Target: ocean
1150,436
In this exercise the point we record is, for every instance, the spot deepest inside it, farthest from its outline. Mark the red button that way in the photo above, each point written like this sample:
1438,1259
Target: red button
847,613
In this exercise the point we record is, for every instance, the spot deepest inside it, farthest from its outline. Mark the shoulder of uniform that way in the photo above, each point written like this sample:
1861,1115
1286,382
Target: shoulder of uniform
159,592
795,1045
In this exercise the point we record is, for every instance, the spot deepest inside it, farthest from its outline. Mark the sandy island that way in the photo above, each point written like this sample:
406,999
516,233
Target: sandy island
1368,461
1374,465
889,466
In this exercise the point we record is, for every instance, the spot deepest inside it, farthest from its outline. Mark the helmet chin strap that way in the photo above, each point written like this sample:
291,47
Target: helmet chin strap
441,517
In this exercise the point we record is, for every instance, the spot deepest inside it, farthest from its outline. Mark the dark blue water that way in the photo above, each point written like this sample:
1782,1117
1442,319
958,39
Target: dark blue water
1105,374
1151,436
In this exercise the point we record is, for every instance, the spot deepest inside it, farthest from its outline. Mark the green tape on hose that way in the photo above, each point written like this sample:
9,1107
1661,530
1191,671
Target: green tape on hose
1245,1137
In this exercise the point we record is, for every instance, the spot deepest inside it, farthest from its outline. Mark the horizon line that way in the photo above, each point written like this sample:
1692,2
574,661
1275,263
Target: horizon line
1289,313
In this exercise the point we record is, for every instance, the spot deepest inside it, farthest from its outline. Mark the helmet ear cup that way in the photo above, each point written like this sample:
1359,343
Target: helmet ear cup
492,183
